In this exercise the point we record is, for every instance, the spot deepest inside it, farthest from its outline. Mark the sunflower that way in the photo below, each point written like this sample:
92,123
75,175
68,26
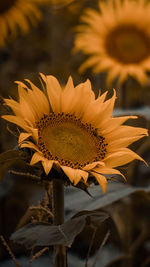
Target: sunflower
16,14
69,128
117,39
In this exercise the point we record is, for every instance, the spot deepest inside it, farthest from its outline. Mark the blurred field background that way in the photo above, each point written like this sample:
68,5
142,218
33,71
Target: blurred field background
48,48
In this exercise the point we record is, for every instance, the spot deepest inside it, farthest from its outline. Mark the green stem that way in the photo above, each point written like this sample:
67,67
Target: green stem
60,255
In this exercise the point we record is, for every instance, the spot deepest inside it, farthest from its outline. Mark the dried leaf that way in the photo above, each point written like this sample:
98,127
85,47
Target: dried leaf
45,234
39,234
93,218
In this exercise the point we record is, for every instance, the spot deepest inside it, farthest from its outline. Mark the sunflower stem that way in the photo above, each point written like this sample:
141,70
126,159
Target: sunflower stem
60,255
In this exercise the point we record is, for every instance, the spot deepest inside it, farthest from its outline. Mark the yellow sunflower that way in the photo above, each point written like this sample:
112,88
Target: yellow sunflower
117,39
16,14
68,127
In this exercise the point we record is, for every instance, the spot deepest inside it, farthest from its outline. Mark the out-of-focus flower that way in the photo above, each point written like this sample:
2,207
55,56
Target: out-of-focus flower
18,14
117,39
61,2
68,127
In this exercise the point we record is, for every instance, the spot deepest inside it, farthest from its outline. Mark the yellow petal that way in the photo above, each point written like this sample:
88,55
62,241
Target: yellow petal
93,109
75,175
14,105
106,171
26,107
54,92
43,77
123,131
47,165
122,142
17,120
39,100
93,165
68,96
34,132
109,105
30,145
101,180
122,157
83,96
23,136
113,125
36,158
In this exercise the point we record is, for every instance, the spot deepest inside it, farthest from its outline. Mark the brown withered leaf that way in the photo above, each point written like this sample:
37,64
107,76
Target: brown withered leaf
33,235
41,234
93,218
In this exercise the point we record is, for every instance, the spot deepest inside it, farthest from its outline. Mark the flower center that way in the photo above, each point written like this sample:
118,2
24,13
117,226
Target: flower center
64,138
6,5
128,44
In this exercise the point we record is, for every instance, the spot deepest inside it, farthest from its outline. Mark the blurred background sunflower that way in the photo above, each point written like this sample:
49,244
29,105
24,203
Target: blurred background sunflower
116,39
18,14
61,2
